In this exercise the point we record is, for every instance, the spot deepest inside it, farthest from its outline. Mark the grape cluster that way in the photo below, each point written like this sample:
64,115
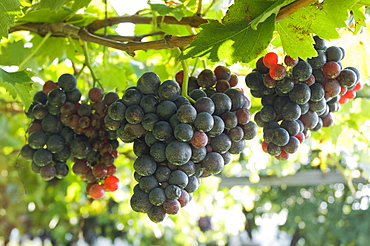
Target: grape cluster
177,142
301,96
63,127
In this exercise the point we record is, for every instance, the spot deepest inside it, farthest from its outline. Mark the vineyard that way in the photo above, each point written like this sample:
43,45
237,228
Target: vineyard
184,122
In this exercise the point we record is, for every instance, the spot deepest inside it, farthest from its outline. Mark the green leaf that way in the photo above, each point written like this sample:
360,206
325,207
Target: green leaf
245,10
53,5
13,53
231,42
78,4
17,84
359,17
45,15
294,34
162,9
8,10
295,31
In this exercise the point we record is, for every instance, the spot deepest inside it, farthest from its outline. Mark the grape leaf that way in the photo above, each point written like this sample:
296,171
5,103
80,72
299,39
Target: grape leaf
17,84
53,5
295,30
78,4
231,42
45,15
8,51
359,17
8,10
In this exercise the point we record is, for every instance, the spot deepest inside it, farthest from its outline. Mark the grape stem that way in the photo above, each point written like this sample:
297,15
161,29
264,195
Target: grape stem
37,48
88,64
185,83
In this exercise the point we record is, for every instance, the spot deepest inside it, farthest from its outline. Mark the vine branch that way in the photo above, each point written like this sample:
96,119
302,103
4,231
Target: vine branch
130,44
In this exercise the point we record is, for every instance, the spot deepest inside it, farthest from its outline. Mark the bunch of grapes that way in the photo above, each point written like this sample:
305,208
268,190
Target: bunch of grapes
177,142
301,96
63,127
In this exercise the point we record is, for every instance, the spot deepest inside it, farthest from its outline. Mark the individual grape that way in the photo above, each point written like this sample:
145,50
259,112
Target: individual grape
237,98
291,111
304,107
230,119
149,121
184,132
222,72
300,94
166,109
222,103
178,178
27,152
204,104
49,86
145,165
268,81
37,139
188,168
351,94
40,97
73,96
157,214
99,171
149,103
277,72
357,72
110,98
198,154
148,83
148,183
292,127
158,152
67,82
172,192
162,130
56,97
302,71
171,206
327,120
213,163
261,68
116,111
206,78
169,90
139,202
61,170
111,183
284,85
199,139
243,115
331,87
318,61
80,167
233,81
222,85
317,92
84,122
197,93
39,111
289,61
178,153
132,96
96,94
34,126
134,114
250,130
270,59
236,134
42,157
80,147
157,196
179,77
184,198
318,106
254,81
63,155
319,43
55,143
162,174
310,81
218,126
186,113
334,53
221,143
273,149
267,113
237,147
331,69
51,124
292,146
47,172
309,119
347,78
280,137
318,126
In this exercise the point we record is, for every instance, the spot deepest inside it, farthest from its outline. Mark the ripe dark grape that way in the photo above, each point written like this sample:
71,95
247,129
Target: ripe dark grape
331,69
67,82
302,71
132,96
96,94
334,53
169,90
178,153
206,78
37,139
213,163
277,72
184,132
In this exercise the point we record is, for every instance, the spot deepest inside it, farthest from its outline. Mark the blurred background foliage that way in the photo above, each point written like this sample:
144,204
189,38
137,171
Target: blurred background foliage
59,211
